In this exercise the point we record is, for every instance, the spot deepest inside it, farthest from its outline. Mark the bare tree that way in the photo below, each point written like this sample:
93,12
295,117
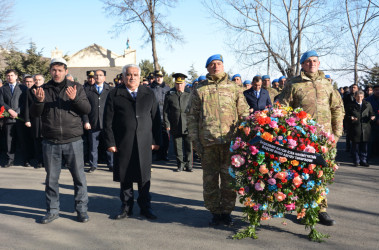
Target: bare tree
148,14
363,26
293,26
8,29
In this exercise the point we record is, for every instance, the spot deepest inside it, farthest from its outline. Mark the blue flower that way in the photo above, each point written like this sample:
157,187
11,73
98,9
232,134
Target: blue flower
311,122
259,134
231,172
243,124
306,205
278,215
310,185
276,166
319,182
289,175
314,204
263,207
305,176
231,146
326,190
314,137
274,119
272,188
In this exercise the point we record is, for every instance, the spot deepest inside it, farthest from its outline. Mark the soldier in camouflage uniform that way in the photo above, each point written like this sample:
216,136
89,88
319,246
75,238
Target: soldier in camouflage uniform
266,84
314,93
216,106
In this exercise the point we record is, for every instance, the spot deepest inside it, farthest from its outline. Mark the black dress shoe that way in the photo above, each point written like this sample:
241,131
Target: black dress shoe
124,214
178,169
365,164
83,217
49,218
189,170
39,165
110,168
325,219
227,219
148,213
216,219
356,164
91,170
9,164
27,164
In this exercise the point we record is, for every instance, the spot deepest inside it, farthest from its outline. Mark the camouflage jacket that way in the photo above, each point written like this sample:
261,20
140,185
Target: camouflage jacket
273,93
215,107
318,98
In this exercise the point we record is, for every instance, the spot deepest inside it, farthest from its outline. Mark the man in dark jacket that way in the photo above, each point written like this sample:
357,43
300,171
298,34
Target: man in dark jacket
61,103
360,114
374,101
348,100
93,122
257,97
132,128
175,120
35,122
160,89
13,97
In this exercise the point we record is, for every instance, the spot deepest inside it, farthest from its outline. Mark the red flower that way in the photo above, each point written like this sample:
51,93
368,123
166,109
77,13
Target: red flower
255,163
302,115
306,170
279,185
284,180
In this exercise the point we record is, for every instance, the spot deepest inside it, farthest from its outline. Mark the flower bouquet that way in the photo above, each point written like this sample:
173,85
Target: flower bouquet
282,161
3,112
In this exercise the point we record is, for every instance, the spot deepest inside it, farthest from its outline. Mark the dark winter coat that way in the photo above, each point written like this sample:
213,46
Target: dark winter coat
360,130
97,102
35,121
130,123
174,111
160,91
61,117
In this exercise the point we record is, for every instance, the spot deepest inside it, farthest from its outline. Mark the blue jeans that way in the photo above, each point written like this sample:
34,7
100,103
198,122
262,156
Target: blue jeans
52,158
93,138
360,152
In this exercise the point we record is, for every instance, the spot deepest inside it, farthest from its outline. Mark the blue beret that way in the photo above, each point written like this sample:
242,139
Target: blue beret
236,75
189,85
282,77
246,82
195,80
327,76
214,57
275,80
265,77
257,75
201,78
307,54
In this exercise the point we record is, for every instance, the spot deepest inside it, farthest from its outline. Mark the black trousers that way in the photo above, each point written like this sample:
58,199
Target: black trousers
14,136
133,174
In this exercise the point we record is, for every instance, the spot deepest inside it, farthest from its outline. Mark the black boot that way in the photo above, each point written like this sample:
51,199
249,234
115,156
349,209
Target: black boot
227,219
216,219
325,219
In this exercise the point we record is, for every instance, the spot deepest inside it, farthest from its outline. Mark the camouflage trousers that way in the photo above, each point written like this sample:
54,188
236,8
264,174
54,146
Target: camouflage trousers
219,196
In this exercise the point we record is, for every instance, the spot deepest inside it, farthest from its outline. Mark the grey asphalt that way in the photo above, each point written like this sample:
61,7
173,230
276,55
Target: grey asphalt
182,219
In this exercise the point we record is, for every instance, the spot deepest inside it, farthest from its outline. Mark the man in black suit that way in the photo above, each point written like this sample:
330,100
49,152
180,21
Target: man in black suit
132,128
93,122
257,97
13,97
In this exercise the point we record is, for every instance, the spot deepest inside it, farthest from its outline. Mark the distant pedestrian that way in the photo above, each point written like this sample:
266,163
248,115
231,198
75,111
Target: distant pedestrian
361,114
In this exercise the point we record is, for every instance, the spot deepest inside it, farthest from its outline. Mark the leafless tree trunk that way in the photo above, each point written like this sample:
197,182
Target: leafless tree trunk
359,28
296,28
144,12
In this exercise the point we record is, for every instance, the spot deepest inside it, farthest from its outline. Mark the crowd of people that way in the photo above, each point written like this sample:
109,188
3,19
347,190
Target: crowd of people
124,121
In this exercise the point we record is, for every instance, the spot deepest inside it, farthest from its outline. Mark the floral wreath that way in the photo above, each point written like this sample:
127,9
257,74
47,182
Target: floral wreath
282,161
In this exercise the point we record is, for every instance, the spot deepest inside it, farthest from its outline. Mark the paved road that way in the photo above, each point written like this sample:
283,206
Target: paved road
182,220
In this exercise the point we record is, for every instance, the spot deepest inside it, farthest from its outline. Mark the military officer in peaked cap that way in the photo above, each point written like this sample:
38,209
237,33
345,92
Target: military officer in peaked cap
175,120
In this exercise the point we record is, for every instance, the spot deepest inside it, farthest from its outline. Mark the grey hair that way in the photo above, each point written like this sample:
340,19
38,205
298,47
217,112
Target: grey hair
359,92
126,67
34,76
